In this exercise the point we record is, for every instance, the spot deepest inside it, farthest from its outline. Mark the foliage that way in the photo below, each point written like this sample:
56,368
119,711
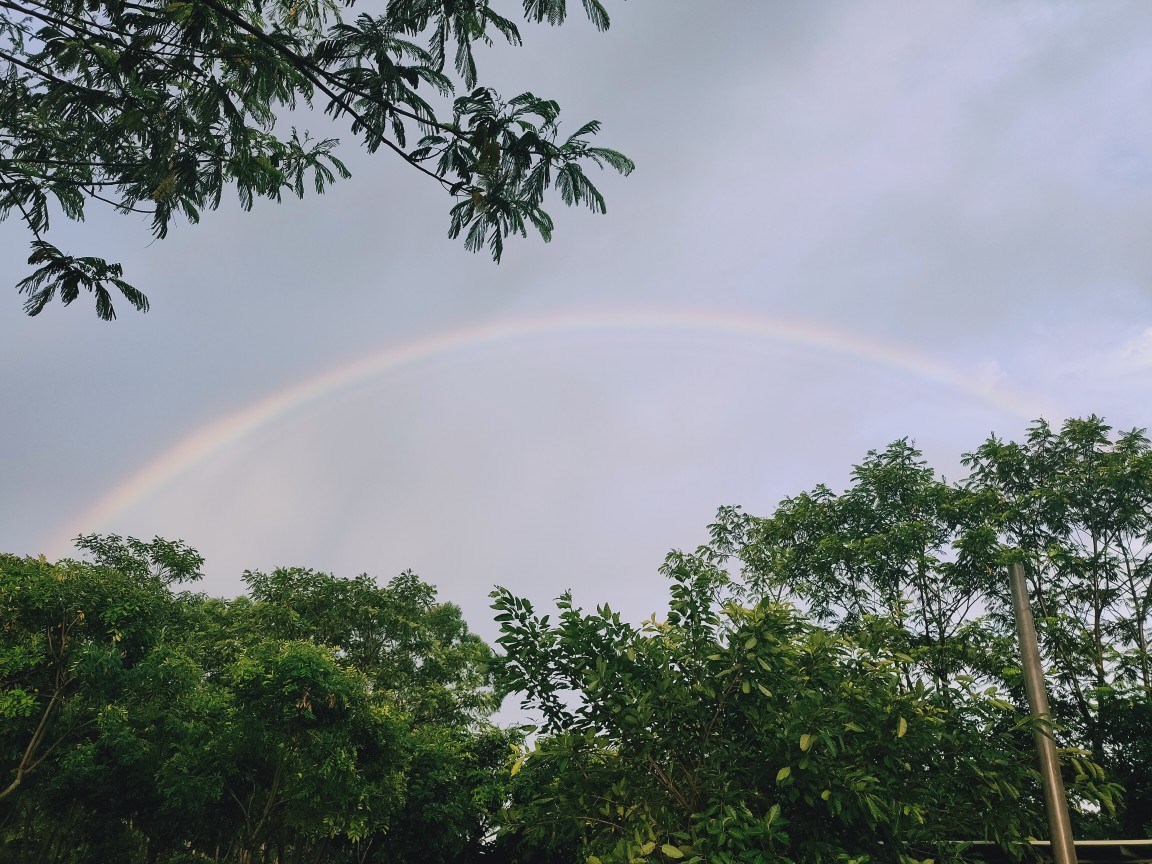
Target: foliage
415,650
155,107
837,682
69,636
1077,504
894,545
142,725
730,732
168,561
457,787
929,557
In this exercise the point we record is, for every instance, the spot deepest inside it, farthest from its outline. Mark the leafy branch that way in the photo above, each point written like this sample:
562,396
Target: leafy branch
165,104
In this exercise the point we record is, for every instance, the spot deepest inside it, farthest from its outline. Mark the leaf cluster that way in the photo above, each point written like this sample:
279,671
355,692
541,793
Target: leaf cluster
142,725
904,546
155,107
733,732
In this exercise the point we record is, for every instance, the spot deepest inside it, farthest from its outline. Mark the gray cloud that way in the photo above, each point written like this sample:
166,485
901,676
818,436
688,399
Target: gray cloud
968,180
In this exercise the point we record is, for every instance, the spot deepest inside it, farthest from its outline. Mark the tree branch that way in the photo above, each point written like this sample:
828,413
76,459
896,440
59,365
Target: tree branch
309,71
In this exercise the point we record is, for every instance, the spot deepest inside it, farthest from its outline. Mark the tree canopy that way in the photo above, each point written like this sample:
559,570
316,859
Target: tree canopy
317,719
729,731
157,106
901,544
838,681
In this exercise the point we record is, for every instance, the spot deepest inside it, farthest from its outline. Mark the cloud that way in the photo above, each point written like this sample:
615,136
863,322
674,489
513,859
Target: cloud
971,180
1135,355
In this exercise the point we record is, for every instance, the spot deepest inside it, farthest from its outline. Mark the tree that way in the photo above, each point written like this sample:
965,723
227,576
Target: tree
155,107
70,633
735,732
895,545
1076,505
420,660
413,649
457,787
73,638
327,720
169,562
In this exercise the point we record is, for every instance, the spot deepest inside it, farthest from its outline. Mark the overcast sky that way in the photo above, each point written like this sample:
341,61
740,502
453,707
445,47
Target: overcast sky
851,222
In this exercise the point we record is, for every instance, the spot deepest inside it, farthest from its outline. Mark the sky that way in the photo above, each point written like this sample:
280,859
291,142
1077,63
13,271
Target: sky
851,222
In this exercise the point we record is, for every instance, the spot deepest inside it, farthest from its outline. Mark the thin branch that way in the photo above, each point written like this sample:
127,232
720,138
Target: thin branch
309,71
687,807
60,22
48,76
124,208
79,26
336,78
27,762
315,74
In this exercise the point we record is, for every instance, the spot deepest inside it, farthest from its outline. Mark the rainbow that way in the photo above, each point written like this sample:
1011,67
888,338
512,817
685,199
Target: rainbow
230,430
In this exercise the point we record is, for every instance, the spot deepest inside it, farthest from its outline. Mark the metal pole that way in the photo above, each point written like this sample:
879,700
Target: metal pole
1055,802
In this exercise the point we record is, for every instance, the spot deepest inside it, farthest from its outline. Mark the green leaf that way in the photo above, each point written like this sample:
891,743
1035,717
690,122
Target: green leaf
671,851
783,773
770,816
